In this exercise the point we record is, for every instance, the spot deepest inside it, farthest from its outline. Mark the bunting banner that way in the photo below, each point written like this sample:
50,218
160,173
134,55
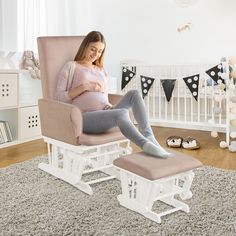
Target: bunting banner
146,83
168,86
127,76
215,73
192,83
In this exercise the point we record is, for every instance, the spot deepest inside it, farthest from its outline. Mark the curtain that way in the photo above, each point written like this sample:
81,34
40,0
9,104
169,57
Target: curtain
50,17
32,22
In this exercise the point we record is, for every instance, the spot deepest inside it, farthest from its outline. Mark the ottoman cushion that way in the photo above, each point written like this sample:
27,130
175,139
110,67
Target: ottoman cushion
153,168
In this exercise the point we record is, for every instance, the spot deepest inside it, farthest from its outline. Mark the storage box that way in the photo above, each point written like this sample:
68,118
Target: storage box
8,90
29,123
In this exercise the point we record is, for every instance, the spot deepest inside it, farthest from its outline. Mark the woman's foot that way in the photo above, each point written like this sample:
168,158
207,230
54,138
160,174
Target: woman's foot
153,140
154,150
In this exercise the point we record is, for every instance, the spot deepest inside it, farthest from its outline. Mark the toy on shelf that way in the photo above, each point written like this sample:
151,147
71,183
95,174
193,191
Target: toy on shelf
30,63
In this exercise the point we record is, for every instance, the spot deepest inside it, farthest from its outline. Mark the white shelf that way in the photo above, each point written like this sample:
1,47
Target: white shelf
16,142
8,108
19,95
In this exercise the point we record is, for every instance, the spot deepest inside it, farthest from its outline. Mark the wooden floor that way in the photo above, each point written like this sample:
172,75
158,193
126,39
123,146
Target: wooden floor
209,154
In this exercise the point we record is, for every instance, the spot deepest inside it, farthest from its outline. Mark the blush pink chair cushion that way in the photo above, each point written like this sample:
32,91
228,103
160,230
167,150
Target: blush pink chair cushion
54,52
154,168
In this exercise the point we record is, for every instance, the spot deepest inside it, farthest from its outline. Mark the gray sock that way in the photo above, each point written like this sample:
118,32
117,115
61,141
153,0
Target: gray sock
153,140
155,150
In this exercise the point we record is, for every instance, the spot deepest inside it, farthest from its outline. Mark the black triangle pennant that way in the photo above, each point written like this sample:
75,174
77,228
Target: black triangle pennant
127,76
168,87
192,82
146,83
215,73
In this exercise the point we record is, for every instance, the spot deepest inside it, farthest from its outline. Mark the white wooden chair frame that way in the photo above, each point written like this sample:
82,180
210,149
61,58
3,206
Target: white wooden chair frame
69,162
139,194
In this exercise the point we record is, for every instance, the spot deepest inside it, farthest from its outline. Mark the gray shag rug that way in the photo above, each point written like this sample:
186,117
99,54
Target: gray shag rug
36,203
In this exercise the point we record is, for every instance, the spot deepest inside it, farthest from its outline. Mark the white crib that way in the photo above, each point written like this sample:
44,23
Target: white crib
211,110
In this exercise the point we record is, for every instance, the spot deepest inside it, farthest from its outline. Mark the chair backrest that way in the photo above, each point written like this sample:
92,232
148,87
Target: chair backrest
54,52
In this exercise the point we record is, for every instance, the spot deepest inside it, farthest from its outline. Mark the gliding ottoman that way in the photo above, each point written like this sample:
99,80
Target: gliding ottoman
146,179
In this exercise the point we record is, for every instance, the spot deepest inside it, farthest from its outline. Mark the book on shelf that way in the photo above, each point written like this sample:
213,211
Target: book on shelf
5,132
1,136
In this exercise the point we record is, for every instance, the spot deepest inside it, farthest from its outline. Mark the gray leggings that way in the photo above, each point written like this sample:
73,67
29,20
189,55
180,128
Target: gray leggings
96,122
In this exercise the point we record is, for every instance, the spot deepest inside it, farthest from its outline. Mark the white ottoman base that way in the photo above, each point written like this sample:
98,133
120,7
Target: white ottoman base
139,194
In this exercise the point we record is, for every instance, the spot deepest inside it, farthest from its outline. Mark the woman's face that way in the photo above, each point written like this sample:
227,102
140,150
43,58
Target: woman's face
94,51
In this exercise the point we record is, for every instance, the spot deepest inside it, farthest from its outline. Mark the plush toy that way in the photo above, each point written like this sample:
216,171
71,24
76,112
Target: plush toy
30,63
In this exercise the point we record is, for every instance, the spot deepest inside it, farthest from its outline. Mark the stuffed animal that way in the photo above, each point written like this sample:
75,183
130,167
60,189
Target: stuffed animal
30,63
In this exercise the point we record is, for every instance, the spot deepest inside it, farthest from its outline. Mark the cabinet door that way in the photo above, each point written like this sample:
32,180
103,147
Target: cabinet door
29,125
8,90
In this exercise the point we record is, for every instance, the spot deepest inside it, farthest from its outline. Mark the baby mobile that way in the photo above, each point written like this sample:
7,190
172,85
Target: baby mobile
221,80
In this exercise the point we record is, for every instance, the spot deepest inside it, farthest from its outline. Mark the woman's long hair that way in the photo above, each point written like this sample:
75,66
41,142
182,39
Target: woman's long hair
92,37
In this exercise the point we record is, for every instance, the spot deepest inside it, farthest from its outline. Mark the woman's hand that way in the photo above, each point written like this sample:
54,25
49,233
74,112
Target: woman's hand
92,87
86,87
108,107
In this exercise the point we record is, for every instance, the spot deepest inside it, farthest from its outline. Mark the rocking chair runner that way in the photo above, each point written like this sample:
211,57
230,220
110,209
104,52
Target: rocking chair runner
72,153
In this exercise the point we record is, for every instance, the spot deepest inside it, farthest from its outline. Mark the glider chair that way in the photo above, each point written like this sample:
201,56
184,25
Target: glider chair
72,153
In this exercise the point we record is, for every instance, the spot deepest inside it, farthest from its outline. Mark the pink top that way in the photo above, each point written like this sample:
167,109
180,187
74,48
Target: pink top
74,74
90,101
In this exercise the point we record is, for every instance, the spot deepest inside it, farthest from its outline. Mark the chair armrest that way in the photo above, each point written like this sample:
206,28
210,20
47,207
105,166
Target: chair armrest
114,98
60,121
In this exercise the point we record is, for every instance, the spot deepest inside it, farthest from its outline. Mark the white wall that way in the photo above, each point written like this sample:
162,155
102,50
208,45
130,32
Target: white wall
81,19
146,30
